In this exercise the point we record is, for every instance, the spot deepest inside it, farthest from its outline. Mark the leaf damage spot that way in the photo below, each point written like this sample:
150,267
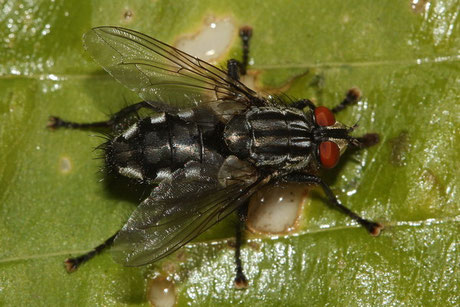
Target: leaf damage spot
430,181
212,41
161,292
65,165
127,15
419,6
276,209
400,148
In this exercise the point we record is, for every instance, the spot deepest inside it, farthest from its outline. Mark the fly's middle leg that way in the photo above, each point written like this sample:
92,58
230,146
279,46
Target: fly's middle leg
245,35
236,68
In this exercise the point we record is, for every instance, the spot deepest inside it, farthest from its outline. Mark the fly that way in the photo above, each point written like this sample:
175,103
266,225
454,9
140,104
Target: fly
210,143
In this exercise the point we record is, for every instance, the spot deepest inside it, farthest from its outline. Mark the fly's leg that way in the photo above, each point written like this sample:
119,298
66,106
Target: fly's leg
245,34
234,67
56,122
351,97
241,281
119,118
372,227
366,140
233,70
72,264
302,104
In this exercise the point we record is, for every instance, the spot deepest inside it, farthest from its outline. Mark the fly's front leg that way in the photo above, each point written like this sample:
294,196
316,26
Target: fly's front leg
235,68
367,140
72,264
241,281
351,97
373,228
302,104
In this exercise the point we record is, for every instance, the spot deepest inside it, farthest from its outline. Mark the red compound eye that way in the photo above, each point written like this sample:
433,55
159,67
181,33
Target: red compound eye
329,154
324,116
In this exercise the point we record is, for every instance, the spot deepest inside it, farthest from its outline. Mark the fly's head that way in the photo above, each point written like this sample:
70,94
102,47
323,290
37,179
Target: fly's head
332,137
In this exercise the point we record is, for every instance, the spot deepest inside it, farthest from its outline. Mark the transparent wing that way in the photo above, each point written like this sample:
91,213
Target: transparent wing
159,72
178,210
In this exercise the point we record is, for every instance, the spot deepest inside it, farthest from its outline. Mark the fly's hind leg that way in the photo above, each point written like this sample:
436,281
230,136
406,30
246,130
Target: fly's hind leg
121,118
236,68
72,264
56,122
241,281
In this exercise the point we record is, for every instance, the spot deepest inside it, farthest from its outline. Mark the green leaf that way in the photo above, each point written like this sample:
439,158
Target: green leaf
403,55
